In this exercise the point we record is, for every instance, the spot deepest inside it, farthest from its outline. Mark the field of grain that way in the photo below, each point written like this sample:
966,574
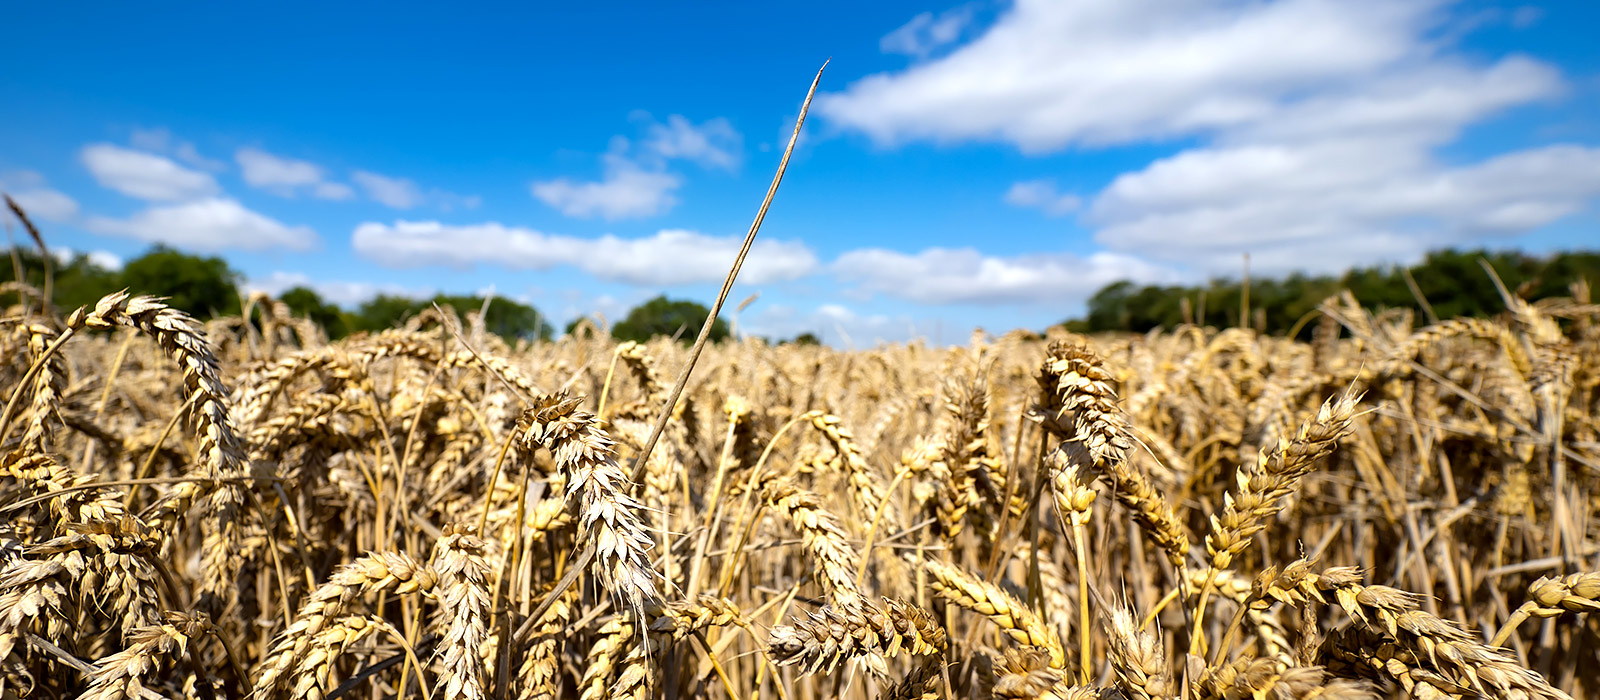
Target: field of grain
246,510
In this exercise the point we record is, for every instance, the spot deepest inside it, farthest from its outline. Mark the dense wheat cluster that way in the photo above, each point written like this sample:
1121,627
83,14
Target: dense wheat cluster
243,509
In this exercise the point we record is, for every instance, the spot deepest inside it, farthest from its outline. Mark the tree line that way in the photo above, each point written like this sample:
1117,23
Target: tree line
1449,283
1452,283
207,287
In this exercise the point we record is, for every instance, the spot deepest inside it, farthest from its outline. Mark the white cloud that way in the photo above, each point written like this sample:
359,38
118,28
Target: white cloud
160,140
262,169
333,190
145,175
285,176
1042,195
20,179
966,276
1325,206
927,32
675,256
1312,152
45,204
670,257
1526,16
396,192
31,192
635,181
342,293
449,201
627,191
208,225
1049,74
157,139
105,259
422,243
713,144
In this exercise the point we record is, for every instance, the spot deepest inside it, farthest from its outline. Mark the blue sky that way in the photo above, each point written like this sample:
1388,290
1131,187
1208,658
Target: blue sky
967,164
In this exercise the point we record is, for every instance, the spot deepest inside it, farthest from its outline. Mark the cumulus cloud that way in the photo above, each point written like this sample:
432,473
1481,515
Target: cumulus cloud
103,259
106,259
670,257
1326,206
1050,74
713,143
626,191
928,32
333,190
210,225
343,293
285,176
161,140
45,204
1316,152
263,169
966,276
1042,195
31,192
144,175
396,192
635,178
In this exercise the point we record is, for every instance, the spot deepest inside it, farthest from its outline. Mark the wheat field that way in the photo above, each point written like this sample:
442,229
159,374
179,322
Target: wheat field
244,509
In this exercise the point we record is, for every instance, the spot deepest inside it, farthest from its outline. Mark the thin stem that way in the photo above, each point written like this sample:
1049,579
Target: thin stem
1220,654
883,504
1512,623
708,526
605,389
1081,542
1197,639
494,479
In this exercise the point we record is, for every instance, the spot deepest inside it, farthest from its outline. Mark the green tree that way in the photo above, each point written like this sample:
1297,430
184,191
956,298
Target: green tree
1453,282
663,316
200,286
506,318
77,282
381,312
303,301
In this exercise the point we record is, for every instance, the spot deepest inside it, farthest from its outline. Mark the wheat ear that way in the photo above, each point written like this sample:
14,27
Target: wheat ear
609,516
463,592
1016,620
863,630
390,572
1081,406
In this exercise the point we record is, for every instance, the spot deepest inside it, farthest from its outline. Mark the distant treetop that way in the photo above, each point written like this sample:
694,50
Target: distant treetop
1452,282
667,317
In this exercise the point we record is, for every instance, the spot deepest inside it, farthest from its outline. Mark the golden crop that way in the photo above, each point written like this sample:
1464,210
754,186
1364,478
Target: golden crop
247,509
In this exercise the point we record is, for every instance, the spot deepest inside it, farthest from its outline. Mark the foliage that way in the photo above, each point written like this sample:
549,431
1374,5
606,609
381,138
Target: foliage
506,318
668,317
79,282
201,286
198,285
1453,282
303,301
